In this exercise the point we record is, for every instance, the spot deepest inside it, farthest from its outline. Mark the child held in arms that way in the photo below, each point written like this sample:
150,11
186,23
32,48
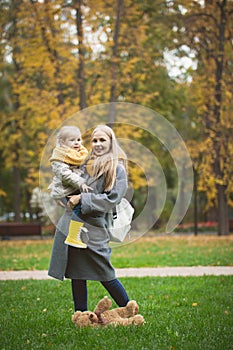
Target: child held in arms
66,159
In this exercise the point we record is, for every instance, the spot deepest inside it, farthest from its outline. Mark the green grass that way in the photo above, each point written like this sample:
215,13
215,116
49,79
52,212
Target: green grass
182,313
146,252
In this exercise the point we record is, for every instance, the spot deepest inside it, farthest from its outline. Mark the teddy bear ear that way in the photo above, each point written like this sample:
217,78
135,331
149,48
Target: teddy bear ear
74,318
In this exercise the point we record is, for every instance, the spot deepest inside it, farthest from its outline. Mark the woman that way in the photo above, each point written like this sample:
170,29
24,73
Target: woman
106,174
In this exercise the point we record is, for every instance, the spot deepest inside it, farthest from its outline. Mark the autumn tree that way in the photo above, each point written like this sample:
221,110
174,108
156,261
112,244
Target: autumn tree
62,56
35,92
207,29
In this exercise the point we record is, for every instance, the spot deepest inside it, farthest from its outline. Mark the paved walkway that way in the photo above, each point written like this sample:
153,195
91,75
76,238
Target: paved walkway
132,272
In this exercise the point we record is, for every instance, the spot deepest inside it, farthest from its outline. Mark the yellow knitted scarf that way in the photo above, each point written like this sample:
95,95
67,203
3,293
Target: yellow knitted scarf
69,155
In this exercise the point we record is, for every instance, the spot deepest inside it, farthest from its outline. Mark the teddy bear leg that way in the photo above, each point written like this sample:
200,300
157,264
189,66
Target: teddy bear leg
131,309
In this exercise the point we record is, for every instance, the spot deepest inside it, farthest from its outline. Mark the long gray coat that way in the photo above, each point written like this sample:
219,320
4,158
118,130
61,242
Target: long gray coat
94,261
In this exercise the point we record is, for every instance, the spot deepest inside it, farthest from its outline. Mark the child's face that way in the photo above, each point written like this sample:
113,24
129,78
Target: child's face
73,141
101,143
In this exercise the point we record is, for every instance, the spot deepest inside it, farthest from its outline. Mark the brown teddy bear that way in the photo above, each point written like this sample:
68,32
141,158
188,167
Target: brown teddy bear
103,316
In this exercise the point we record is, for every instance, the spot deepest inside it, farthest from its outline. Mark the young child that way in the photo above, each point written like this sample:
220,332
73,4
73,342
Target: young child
66,159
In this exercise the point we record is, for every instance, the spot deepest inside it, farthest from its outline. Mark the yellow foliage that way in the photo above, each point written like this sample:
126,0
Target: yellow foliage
2,193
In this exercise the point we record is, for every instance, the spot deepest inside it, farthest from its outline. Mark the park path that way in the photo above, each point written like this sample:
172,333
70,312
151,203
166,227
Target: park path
132,272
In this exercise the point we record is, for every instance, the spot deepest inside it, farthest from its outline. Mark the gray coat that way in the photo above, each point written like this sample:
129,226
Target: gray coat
94,261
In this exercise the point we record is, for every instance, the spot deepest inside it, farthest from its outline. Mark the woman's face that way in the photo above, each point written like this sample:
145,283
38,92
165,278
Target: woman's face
100,143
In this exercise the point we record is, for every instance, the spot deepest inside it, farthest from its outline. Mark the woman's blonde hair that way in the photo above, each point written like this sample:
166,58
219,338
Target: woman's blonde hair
65,132
107,163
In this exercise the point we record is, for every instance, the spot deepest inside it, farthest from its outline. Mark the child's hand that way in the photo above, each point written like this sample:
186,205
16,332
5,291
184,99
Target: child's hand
74,200
86,188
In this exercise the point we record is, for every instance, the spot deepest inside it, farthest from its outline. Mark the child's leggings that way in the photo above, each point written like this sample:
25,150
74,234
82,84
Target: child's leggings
114,287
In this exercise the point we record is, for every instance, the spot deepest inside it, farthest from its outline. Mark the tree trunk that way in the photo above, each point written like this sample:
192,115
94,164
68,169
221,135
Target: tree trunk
114,63
223,218
45,20
81,51
195,199
222,209
17,199
28,198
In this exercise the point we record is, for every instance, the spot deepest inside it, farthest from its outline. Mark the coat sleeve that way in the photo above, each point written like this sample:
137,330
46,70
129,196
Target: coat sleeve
66,175
104,202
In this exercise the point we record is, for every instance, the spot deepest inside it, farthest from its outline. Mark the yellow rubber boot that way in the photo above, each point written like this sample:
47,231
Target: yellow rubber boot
74,235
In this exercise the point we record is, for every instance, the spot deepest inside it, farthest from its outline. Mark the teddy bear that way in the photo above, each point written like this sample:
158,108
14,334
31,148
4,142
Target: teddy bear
103,316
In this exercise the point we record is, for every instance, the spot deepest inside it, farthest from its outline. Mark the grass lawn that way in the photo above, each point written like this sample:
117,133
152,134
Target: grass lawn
145,252
181,313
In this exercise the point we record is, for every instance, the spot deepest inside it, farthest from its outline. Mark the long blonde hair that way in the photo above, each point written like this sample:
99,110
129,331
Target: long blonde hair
107,163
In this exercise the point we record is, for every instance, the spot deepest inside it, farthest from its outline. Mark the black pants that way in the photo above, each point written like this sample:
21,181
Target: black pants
80,293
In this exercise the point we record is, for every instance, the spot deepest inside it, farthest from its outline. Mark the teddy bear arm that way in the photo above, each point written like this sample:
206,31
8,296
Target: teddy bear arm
137,320
102,306
134,320
109,317
131,309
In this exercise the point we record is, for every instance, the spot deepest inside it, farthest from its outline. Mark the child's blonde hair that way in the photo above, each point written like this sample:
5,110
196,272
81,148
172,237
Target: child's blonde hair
107,163
65,132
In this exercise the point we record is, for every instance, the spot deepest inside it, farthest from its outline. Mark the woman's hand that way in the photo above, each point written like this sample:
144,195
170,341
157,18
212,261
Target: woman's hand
74,200
86,188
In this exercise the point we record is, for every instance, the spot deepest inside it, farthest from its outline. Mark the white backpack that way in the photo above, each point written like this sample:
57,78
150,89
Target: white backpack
119,221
